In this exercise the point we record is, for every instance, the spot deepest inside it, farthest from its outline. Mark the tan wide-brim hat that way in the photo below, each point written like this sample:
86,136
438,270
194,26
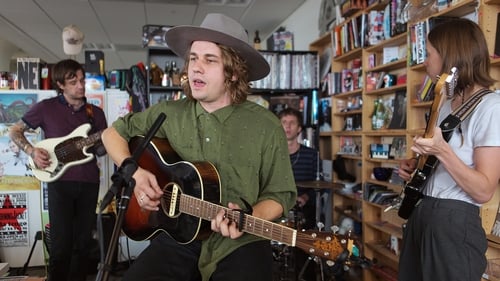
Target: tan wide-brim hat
223,30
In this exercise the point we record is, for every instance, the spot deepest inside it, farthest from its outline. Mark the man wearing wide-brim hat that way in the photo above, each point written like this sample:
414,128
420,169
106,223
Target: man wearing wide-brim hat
245,181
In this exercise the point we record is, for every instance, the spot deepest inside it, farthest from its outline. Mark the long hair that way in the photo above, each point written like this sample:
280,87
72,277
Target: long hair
461,43
65,69
233,66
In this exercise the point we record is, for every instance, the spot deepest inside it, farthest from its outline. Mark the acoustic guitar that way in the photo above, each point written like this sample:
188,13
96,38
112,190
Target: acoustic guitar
192,198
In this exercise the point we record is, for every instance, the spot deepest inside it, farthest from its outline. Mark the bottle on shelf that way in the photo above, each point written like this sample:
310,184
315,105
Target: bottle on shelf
378,115
374,114
167,79
256,40
175,74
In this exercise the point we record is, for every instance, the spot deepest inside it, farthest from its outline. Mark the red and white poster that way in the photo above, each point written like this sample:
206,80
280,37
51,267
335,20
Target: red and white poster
14,219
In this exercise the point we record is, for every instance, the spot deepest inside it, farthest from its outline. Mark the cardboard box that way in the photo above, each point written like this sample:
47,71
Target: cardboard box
28,73
94,82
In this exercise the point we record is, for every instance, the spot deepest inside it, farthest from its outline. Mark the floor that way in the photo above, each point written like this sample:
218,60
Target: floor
115,275
286,268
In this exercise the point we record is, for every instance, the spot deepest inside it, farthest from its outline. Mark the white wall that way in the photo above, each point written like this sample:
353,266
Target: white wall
304,24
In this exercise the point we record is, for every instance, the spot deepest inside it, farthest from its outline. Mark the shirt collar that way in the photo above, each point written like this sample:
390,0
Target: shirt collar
63,100
221,114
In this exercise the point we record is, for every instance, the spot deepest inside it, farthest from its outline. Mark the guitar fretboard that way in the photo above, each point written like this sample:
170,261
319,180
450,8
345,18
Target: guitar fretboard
89,141
253,225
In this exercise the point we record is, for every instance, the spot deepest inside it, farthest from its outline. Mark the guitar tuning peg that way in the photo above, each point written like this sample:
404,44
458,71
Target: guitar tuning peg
320,225
335,229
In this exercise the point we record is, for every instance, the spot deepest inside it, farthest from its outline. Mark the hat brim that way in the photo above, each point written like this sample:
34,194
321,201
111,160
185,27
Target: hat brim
179,40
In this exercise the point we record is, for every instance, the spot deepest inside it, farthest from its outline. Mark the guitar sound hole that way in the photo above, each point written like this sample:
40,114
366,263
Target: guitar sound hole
171,194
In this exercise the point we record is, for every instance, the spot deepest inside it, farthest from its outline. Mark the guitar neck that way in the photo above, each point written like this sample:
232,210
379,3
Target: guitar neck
89,141
253,225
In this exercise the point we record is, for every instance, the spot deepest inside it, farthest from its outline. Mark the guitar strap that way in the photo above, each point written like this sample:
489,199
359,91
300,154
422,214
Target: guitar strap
454,119
90,114
98,148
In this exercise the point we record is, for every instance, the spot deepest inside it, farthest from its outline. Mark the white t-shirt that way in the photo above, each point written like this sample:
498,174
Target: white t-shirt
481,128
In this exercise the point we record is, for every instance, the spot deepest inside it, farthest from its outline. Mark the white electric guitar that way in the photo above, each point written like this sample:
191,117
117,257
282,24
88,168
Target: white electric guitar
65,152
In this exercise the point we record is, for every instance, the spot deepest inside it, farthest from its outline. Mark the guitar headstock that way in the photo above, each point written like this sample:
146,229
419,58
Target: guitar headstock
446,83
321,244
451,82
444,87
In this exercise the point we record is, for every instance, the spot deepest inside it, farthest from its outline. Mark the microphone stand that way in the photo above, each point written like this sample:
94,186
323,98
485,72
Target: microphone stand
123,181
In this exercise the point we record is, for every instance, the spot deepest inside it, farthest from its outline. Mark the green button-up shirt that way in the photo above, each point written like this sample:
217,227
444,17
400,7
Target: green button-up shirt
245,142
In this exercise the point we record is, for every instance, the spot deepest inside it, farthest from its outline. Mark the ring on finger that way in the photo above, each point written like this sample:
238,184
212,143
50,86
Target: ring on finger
142,197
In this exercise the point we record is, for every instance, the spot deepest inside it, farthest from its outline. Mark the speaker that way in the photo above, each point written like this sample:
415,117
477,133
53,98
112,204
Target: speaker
94,62
108,223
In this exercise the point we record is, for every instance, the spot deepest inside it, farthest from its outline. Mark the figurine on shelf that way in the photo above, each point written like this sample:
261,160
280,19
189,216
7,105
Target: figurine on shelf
156,74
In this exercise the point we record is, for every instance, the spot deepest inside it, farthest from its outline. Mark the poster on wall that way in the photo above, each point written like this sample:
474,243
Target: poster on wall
17,181
15,173
14,219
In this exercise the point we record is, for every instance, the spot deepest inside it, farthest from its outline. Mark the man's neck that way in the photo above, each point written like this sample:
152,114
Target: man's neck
293,146
75,103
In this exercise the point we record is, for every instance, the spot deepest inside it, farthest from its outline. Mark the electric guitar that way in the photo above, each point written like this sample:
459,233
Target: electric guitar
65,152
427,164
191,199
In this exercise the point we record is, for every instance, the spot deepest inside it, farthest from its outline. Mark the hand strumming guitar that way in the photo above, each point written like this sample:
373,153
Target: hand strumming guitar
436,145
146,190
40,157
406,168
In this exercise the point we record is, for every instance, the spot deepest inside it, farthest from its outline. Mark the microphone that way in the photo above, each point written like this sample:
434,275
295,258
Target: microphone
128,167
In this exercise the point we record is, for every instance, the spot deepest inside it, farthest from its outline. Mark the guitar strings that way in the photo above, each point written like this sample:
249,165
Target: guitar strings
208,210
194,206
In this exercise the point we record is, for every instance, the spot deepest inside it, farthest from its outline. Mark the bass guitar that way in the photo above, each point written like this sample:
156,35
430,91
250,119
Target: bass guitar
191,199
65,152
412,191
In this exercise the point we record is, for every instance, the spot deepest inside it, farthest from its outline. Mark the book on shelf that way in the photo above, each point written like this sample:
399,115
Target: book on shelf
363,42
390,54
376,27
334,83
398,119
384,198
371,188
386,24
371,81
380,80
350,145
325,114
495,230
327,168
398,148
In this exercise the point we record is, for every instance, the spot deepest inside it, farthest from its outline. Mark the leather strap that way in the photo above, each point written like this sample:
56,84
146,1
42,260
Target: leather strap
90,113
454,119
